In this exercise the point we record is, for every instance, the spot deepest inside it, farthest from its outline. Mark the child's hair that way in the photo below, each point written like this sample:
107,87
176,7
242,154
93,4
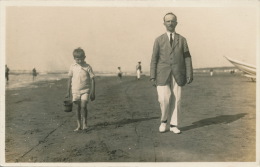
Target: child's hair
79,53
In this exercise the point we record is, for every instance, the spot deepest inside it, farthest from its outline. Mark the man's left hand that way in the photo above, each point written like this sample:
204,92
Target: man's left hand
189,80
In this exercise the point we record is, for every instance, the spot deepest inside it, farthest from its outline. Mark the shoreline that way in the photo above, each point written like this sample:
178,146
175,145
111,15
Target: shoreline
28,82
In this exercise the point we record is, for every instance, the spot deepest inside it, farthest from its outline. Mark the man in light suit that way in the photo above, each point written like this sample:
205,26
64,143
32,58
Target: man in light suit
170,69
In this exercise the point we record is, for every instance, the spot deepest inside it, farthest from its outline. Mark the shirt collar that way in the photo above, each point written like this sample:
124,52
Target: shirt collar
84,64
168,34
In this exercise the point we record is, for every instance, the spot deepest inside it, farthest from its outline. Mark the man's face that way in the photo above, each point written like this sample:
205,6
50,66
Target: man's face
170,22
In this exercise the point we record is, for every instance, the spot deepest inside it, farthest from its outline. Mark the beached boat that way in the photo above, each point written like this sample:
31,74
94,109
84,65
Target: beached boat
248,69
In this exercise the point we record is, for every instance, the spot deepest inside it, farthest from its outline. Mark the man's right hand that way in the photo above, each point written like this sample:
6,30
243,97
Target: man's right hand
67,95
153,81
92,96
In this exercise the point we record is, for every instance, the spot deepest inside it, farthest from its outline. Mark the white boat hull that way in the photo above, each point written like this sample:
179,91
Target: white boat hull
248,69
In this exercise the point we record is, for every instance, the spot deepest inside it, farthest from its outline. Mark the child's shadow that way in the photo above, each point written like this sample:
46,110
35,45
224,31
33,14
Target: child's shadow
215,120
118,124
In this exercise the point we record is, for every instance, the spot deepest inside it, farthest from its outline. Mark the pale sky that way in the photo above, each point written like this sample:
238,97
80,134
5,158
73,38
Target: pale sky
45,37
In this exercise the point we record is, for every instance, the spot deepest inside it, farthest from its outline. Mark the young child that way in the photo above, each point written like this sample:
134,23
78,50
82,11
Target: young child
119,73
82,85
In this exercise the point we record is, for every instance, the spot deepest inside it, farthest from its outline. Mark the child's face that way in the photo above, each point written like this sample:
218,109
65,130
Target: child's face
79,60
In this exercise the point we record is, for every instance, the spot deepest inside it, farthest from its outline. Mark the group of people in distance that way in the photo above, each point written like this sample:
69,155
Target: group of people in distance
138,71
170,69
7,70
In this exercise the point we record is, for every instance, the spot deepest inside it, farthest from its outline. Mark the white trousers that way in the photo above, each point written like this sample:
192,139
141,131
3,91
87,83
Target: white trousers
138,73
169,97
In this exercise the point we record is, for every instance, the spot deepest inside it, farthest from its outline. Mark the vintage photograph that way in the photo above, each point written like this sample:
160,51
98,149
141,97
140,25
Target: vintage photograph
129,83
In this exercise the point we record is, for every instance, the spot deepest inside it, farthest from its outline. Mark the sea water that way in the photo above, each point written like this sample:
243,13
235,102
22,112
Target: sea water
26,80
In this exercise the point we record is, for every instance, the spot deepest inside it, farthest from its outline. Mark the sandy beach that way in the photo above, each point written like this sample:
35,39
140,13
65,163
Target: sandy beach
218,123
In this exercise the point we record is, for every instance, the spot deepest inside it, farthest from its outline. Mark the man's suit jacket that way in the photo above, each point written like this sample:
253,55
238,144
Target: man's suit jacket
170,60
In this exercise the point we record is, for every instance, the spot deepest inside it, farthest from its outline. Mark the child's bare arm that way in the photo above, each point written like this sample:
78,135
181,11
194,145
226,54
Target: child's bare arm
69,87
92,92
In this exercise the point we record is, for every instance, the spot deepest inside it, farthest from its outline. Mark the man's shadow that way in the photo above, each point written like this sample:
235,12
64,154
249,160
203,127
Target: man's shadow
212,121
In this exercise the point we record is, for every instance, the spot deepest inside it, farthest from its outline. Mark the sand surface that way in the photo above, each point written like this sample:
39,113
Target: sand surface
218,122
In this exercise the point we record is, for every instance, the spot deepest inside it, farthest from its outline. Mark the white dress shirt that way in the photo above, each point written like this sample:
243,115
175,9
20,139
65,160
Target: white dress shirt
168,34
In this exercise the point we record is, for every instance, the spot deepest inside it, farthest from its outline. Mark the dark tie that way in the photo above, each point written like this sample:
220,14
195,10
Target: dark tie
171,39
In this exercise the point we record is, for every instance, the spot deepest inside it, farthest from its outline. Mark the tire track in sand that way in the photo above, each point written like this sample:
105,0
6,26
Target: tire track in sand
146,144
41,141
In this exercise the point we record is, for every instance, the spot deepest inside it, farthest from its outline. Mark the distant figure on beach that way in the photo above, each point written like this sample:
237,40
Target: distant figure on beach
7,73
82,85
119,73
232,72
211,72
34,73
170,69
138,70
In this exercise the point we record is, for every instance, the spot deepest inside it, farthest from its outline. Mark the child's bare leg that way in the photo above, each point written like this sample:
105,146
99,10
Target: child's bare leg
84,114
78,117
